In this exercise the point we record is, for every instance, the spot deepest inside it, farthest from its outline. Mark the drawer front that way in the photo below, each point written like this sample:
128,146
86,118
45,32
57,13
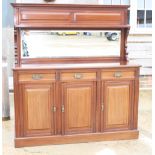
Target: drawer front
36,77
100,17
78,76
117,74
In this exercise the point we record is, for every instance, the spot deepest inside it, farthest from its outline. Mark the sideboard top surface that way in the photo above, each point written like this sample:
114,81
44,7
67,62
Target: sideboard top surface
77,66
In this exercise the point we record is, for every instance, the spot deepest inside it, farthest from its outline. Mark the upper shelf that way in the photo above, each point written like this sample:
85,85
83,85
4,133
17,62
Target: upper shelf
70,16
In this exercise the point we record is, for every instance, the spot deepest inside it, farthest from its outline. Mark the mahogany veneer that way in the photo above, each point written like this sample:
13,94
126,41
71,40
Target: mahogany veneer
70,17
74,99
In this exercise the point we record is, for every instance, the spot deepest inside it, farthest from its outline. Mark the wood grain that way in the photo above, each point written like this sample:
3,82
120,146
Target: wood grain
77,138
38,102
98,103
70,17
117,105
78,99
28,77
55,16
82,109
82,76
124,74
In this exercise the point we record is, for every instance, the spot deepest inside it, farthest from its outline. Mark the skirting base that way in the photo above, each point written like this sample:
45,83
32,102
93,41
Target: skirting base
77,138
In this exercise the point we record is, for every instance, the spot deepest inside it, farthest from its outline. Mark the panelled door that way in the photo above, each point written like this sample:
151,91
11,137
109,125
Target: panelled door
116,105
78,107
38,100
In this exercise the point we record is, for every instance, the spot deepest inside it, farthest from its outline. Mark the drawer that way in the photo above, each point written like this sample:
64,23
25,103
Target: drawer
117,74
79,76
35,77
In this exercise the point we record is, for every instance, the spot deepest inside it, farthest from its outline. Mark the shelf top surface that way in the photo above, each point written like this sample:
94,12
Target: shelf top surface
77,66
68,5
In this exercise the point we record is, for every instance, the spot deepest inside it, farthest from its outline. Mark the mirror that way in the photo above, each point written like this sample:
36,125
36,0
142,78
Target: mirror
69,44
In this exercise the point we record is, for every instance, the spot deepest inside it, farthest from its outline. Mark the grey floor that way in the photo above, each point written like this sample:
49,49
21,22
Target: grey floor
141,146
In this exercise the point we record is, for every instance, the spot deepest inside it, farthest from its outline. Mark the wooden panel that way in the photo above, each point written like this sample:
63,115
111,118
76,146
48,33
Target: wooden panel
117,74
99,17
79,102
76,138
44,16
117,105
82,115
52,16
78,76
69,15
35,77
38,118
80,106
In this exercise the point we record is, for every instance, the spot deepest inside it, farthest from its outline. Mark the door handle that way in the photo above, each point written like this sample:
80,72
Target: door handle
54,108
102,107
63,108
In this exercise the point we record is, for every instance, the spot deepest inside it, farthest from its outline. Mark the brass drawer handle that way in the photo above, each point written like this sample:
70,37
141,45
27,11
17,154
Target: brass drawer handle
37,76
117,74
78,75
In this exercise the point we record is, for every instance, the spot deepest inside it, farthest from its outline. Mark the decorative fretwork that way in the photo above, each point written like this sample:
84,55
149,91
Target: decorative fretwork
126,33
15,46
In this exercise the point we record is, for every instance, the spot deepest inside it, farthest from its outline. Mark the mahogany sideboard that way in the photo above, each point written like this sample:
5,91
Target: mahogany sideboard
70,100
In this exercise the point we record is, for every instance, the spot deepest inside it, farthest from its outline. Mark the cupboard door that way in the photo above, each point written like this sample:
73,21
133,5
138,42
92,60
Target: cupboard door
38,104
78,107
116,105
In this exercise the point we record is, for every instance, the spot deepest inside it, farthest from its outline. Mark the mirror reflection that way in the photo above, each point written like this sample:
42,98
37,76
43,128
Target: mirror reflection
62,44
